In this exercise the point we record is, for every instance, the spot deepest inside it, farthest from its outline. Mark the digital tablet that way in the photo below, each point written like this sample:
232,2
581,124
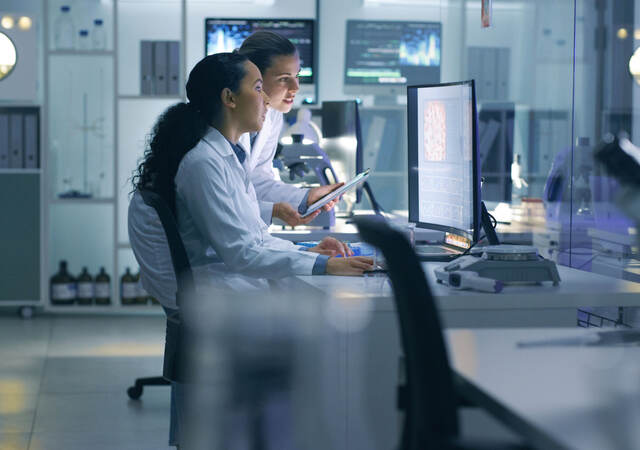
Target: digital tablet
341,190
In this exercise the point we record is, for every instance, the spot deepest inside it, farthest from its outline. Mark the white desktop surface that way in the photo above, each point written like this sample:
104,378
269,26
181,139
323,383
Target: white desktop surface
344,231
579,397
577,288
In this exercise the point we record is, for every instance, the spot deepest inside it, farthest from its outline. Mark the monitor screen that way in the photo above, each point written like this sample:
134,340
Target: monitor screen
444,178
392,53
225,35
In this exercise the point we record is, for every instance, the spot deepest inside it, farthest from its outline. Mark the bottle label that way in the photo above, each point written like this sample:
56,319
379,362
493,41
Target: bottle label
141,291
63,291
129,290
103,290
85,289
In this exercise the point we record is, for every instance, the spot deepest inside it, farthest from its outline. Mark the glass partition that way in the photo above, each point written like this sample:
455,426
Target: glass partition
553,78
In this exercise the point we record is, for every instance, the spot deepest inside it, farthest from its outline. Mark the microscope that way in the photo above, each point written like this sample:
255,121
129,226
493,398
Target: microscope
621,160
301,158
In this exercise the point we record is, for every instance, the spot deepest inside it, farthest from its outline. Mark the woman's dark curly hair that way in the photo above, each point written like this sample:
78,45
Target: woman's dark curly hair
262,46
182,125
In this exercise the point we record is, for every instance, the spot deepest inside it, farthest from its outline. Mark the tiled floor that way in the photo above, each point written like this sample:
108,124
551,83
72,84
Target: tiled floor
63,383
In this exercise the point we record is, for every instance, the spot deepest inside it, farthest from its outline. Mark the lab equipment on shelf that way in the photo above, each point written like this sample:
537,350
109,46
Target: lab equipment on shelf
98,35
63,286
64,30
102,289
83,40
85,288
128,288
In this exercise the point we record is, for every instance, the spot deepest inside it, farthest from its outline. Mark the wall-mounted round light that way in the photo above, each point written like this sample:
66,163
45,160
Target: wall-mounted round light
634,65
636,34
8,55
24,23
7,22
622,33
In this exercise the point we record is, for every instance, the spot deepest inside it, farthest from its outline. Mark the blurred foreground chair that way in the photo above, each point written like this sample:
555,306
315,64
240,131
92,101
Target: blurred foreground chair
172,366
428,398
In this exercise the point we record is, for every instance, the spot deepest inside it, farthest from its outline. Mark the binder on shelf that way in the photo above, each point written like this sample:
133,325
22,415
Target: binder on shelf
173,53
160,67
146,68
4,141
30,141
16,155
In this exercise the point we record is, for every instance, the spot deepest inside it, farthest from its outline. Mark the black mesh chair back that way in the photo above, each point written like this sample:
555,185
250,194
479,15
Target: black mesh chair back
173,365
431,420
179,259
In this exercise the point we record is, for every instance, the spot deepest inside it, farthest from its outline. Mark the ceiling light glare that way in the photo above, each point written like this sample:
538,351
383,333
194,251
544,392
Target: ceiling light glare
24,23
7,22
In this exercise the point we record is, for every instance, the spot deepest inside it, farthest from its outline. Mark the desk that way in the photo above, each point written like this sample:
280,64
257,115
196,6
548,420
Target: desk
558,397
369,352
515,306
344,231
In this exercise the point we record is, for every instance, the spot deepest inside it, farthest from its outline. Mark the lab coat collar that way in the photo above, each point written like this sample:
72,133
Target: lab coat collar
218,142
263,134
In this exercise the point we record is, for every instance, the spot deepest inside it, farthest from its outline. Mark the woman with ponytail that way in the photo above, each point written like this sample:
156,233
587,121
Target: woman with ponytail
195,162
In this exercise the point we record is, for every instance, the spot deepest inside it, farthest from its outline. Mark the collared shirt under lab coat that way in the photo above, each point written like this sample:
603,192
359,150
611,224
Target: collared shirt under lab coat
260,166
218,219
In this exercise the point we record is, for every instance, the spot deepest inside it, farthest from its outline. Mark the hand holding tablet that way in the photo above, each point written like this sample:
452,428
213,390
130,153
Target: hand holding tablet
361,177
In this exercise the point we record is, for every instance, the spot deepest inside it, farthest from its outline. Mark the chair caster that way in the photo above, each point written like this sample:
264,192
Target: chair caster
134,392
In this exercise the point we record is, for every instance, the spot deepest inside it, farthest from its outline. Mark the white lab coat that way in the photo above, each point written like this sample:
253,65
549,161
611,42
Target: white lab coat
269,190
219,220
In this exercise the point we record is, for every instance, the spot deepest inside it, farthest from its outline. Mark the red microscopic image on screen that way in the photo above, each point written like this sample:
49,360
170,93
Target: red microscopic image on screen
435,131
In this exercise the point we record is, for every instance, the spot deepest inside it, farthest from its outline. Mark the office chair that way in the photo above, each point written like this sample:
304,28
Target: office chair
173,364
428,398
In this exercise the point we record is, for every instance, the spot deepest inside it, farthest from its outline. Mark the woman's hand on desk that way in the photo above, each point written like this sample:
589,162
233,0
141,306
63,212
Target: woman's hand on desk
332,247
288,214
317,193
354,265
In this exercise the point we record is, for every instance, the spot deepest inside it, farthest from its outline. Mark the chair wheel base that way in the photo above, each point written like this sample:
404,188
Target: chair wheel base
134,392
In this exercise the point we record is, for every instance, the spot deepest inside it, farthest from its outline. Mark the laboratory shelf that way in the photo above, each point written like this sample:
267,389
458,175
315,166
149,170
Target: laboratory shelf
150,97
88,201
20,171
82,52
106,309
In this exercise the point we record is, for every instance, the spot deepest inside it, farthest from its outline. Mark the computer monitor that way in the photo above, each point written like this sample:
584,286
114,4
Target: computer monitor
342,136
382,57
225,35
444,171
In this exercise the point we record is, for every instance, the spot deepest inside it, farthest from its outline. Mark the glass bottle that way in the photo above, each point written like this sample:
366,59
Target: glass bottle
128,288
98,36
83,40
103,288
142,293
64,32
63,286
85,288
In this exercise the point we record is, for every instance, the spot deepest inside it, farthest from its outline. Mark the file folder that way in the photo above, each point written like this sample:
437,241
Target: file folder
31,141
16,156
160,67
146,68
174,67
4,141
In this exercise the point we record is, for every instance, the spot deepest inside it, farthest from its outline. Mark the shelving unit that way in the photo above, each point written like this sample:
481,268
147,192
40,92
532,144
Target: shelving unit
89,231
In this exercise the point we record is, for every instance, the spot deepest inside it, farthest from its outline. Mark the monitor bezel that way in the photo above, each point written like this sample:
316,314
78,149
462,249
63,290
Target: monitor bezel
379,88
412,158
313,79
